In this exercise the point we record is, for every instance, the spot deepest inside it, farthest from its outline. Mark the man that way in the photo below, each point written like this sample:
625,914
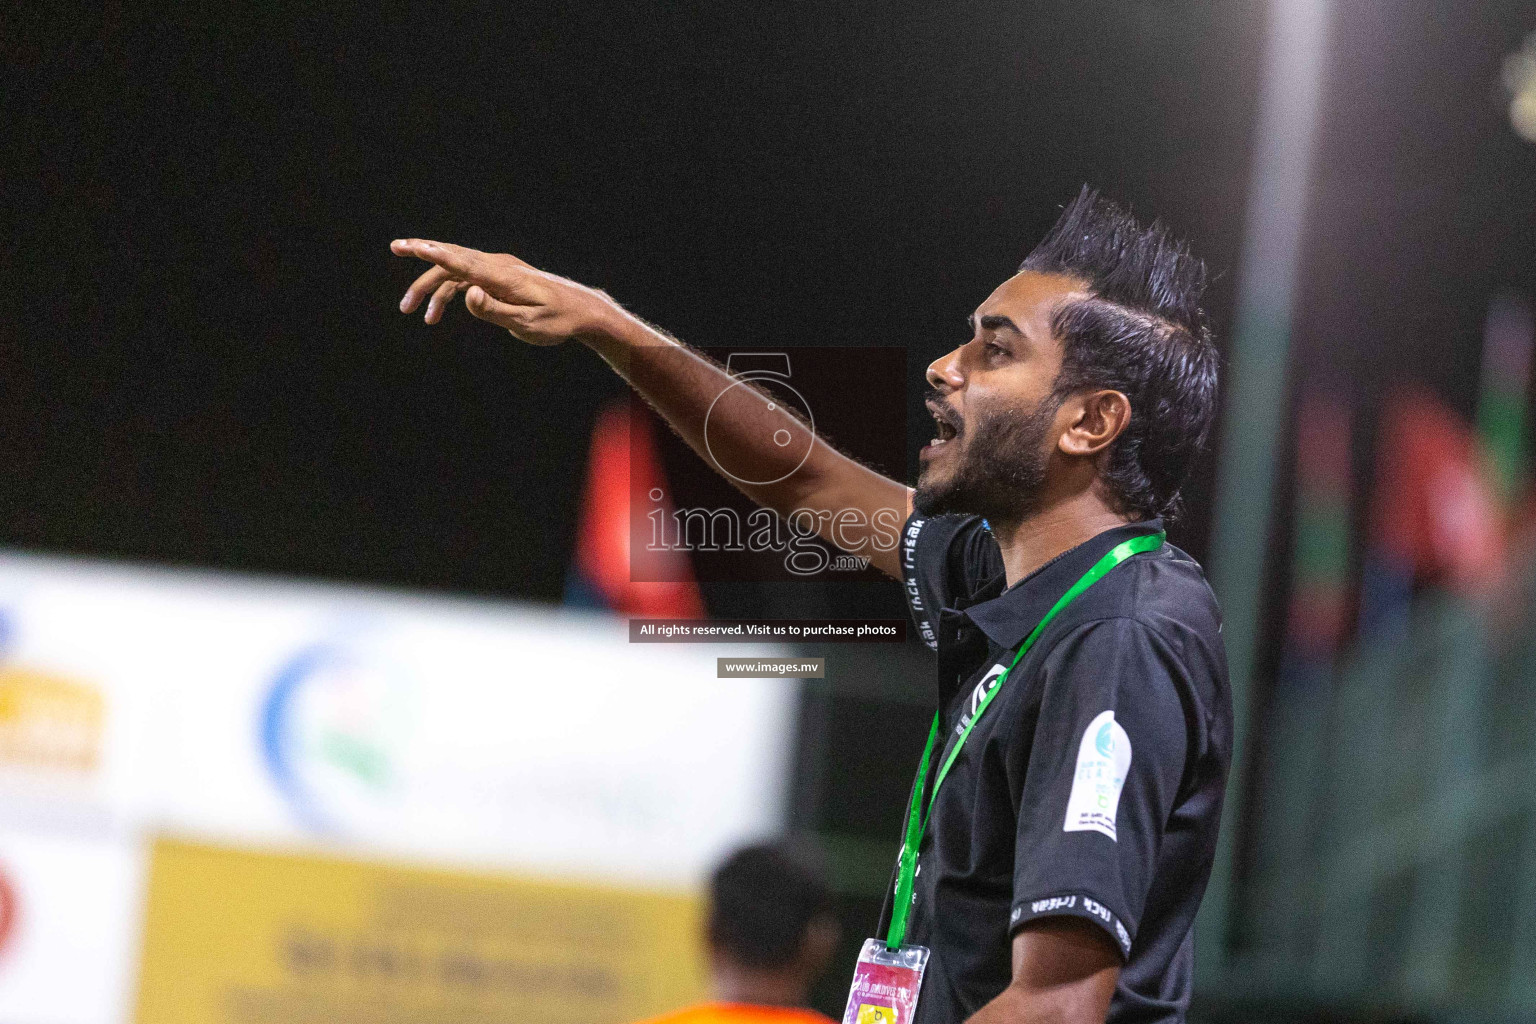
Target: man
769,936
1062,830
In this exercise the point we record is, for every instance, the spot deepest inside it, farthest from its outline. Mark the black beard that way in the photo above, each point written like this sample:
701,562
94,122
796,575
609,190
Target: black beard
1001,474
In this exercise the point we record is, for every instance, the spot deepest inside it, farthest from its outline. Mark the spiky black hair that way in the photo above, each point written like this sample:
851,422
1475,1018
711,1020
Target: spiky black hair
1141,332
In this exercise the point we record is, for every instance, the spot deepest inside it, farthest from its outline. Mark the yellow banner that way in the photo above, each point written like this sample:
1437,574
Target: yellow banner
240,937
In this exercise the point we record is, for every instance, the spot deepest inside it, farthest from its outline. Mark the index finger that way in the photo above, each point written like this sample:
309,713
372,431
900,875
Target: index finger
462,262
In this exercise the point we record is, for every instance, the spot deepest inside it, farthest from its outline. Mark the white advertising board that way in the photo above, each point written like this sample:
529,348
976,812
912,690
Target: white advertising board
137,702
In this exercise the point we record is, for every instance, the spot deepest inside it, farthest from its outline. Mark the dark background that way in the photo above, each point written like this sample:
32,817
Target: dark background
203,360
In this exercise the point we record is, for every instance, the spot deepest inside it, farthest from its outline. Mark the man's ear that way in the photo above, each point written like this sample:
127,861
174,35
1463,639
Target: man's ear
1095,419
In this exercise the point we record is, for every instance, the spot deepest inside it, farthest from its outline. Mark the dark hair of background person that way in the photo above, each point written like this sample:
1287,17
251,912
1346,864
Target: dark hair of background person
763,899
1143,333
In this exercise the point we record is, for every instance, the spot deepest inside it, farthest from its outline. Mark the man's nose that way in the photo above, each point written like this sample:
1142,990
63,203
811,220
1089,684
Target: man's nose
944,372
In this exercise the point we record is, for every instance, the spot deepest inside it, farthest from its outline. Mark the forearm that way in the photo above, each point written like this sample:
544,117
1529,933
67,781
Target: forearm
1064,972
748,429
686,387
1016,1006
1008,1007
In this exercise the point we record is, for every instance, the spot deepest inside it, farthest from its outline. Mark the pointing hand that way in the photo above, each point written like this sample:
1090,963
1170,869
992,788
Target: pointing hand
537,307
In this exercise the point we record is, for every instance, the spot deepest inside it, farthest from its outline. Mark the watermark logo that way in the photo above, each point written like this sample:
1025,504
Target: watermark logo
797,537
759,433
762,379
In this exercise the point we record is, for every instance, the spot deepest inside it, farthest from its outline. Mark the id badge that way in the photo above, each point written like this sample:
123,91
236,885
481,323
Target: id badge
885,984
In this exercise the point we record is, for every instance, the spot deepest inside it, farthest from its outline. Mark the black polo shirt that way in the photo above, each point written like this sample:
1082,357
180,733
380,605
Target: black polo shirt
1091,786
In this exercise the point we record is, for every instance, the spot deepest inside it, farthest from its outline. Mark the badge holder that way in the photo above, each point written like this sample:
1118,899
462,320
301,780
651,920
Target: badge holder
885,984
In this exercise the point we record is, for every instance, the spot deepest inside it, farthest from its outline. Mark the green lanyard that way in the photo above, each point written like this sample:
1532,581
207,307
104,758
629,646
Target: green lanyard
917,818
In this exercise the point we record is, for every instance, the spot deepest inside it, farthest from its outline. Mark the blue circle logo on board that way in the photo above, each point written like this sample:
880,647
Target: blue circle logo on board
333,730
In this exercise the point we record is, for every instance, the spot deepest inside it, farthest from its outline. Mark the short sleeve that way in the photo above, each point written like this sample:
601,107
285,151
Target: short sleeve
1105,768
944,560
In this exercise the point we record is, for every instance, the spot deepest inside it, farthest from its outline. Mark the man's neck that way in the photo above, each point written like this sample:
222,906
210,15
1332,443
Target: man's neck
1029,543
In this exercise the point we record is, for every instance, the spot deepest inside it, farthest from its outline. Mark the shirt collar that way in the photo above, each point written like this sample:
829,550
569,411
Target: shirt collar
1007,618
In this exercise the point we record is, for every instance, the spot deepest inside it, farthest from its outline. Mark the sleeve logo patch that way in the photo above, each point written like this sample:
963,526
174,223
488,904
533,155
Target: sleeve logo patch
1103,759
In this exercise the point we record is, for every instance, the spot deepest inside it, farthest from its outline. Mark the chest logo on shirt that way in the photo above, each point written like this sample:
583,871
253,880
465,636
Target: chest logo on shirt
1103,760
988,681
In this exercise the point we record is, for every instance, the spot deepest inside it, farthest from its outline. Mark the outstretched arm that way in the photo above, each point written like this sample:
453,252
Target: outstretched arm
681,384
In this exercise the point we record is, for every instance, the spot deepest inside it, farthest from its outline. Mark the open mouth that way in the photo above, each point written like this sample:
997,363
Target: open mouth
945,428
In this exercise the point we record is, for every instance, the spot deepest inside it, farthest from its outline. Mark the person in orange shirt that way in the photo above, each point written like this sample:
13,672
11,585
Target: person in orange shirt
769,937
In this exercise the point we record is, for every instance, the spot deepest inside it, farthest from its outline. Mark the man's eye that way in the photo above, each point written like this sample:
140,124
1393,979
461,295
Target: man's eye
994,349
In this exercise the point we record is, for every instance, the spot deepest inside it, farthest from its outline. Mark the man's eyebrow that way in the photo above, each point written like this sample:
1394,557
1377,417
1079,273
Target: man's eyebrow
994,322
